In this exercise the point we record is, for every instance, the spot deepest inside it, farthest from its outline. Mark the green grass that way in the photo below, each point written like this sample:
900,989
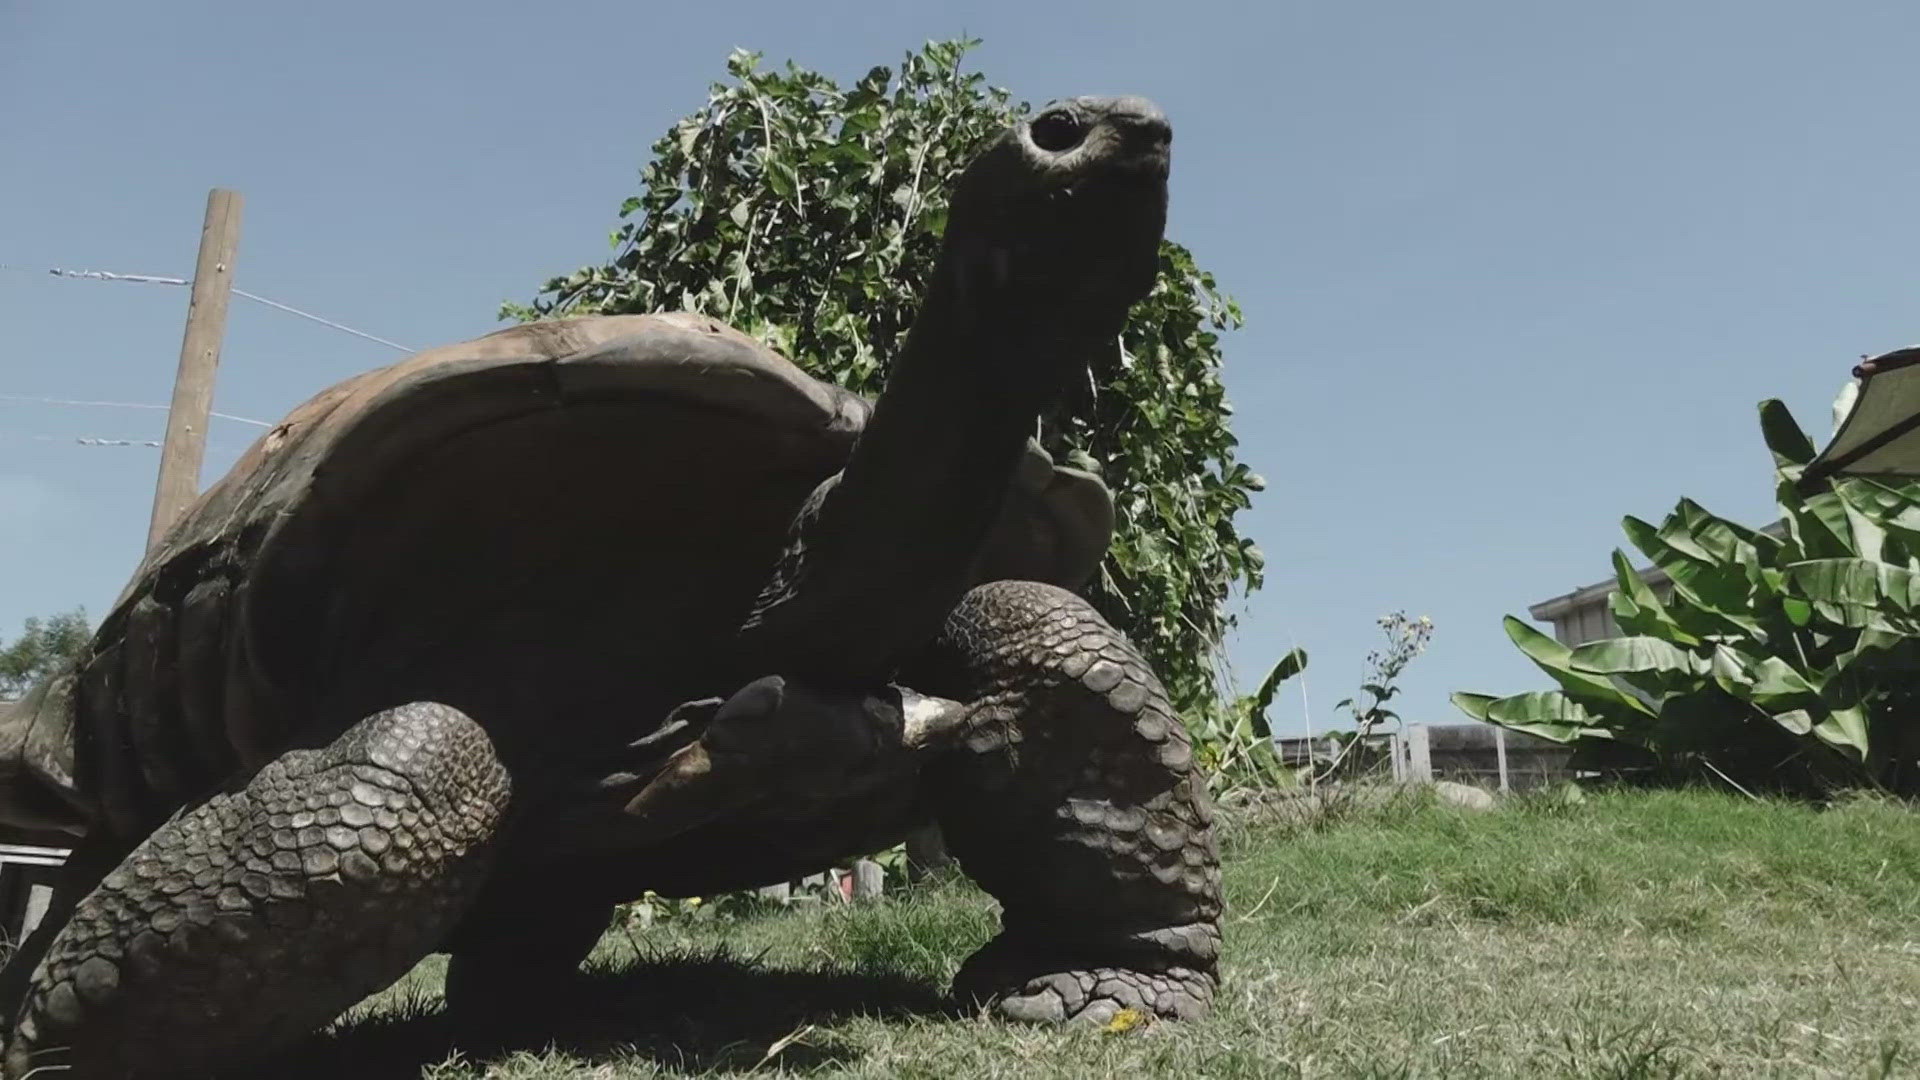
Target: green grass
1630,935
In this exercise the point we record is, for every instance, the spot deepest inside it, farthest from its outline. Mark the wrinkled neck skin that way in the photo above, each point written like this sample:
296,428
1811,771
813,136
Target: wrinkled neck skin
883,551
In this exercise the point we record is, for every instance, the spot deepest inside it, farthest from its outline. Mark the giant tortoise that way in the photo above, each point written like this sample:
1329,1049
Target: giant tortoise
468,650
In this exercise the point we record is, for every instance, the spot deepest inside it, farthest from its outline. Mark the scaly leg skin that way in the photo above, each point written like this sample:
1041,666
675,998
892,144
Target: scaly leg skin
92,858
262,914
1072,800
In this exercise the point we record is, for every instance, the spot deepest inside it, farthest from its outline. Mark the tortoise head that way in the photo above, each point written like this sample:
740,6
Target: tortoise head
1064,210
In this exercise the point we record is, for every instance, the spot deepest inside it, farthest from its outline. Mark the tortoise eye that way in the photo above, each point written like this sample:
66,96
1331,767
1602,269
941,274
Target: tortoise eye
1057,130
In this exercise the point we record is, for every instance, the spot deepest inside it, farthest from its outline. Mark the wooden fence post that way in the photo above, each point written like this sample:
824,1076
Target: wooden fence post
187,417
1419,754
869,880
1500,754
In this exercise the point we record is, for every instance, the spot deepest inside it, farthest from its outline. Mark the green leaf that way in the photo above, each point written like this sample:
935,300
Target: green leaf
1724,541
1894,506
1798,611
1880,653
1796,721
1474,705
1719,589
1790,446
1555,659
781,179
1879,513
1852,592
1767,682
1827,512
1546,713
1625,655
1845,730
1647,663
1816,523
1637,609
1286,668
1869,540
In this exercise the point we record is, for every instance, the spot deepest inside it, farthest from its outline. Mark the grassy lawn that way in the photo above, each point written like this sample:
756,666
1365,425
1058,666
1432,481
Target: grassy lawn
1628,935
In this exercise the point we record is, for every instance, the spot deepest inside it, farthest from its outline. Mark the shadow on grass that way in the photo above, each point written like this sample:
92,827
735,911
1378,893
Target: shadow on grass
694,1013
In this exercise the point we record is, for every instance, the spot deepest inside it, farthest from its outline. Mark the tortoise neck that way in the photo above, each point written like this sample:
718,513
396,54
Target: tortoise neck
888,550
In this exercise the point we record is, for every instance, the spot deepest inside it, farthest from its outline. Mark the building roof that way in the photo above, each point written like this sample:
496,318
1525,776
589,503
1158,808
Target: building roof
1558,607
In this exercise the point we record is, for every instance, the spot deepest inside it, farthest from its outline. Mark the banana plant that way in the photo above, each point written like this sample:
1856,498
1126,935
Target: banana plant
1234,744
1786,658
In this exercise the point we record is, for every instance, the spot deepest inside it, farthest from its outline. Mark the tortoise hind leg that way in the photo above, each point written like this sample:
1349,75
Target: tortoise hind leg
1073,801
263,913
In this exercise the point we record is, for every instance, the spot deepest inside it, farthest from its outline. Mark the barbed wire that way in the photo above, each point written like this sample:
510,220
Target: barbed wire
99,440
85,440
100,275
156,279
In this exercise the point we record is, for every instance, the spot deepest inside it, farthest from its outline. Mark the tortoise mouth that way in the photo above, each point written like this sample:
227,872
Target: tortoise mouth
1107,229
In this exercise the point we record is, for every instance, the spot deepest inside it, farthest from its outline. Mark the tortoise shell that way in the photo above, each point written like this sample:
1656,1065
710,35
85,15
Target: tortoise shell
553,527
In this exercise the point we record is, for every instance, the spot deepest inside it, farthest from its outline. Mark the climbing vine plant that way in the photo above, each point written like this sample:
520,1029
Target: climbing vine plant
808,215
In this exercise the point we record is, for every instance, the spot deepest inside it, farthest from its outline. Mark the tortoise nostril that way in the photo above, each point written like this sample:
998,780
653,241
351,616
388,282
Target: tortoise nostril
1145,131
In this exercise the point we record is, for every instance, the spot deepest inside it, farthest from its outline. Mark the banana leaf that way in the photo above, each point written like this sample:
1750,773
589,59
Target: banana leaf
1286,668
1591,691
1858,593
1845,730
1719,589
1645,663
1549,714
1790,446
1768,682
1637,609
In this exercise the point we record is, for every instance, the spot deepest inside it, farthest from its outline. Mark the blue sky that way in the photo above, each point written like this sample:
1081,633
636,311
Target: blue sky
1511,270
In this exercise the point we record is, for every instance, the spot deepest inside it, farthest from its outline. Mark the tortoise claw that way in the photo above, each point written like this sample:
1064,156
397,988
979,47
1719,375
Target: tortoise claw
776,741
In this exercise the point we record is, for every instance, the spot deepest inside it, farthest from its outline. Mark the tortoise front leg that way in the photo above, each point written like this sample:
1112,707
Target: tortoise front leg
1059,774
90,861
1075,804
261,914
516,958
